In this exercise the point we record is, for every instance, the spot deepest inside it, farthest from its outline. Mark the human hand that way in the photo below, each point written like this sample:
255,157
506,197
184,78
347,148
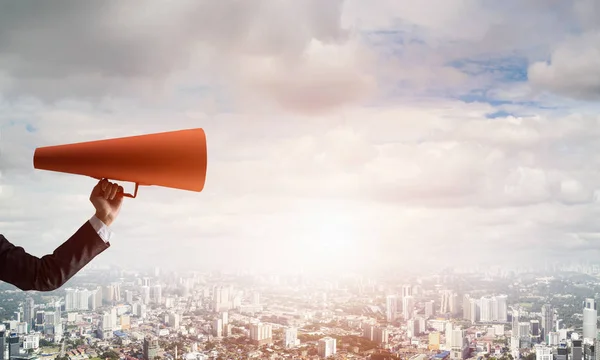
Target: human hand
107,198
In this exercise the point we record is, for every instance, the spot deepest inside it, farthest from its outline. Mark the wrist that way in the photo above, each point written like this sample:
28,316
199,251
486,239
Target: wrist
107,219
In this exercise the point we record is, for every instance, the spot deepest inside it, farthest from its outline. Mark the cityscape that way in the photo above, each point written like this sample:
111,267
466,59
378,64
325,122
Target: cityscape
156,314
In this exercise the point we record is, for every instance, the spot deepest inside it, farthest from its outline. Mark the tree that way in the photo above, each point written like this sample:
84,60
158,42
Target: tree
110,354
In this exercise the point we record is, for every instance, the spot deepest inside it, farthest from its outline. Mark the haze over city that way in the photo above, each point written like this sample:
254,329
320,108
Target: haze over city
341,135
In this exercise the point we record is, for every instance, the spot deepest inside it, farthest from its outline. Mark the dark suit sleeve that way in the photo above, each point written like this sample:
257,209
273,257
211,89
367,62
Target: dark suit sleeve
50,272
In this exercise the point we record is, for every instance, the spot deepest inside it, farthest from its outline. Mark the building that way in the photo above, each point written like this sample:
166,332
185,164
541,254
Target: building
14,346
534,328
261,334
576,348
590,316
459,346
429,309
408,307
150,348
547,321
543,352
28,313
434,341
327,347
291,338
3,348
391,307
31,341
561,351
217,328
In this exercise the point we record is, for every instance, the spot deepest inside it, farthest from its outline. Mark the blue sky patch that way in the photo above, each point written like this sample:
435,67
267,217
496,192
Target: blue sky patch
499,114
505,69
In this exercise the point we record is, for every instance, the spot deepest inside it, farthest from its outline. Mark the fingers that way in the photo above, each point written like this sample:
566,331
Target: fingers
107,189
99,188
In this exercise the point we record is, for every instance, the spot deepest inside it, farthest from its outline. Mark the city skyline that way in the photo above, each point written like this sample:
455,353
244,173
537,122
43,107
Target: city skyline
129,315
343,138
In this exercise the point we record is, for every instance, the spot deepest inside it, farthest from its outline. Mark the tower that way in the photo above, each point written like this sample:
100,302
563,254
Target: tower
590,315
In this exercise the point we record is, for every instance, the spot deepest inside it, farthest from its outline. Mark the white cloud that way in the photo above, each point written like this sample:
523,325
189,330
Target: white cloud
324,151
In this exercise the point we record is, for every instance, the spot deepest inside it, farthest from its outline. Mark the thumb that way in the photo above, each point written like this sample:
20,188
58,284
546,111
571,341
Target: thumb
99,188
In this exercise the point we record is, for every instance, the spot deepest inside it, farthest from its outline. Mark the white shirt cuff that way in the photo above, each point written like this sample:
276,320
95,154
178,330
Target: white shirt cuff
103,231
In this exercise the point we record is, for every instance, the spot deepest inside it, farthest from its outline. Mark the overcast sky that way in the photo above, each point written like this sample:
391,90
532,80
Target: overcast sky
341,134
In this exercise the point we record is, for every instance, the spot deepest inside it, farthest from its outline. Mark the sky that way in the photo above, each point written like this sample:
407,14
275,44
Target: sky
342,135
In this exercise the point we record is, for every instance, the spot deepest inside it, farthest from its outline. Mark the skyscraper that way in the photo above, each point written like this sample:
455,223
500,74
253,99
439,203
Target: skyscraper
502,308
408,307
406,291
28,315
547,320
150,348
590,315
327,347
391,307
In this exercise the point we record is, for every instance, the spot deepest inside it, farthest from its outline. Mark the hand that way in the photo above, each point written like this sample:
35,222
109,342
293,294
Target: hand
107,198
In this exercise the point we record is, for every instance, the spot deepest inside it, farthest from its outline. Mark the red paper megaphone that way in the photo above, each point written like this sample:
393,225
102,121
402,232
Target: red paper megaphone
175,159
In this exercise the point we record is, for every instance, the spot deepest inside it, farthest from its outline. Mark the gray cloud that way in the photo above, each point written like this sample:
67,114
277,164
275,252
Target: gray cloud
94,50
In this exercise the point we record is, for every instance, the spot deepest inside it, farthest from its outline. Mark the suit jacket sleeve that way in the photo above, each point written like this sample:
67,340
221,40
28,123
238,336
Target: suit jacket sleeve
28,272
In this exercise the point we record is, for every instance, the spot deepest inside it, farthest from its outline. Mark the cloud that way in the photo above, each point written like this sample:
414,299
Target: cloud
340,136
299,187
296,55
572,69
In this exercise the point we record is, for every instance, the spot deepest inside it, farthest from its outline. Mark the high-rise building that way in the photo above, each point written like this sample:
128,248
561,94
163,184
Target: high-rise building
515,323
28,312
225,317
429,309
79,299
408,307
261,334
589,351
327,347
467,307
221,298
590,318
407,290
486,304
174,320
547,320
562,351
502,308
446,302
14,346
146,294
217,328
150,348
157,294
391,307
128,296
381,335
448,334
534,326
576,348
291,338
459,345
596,345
